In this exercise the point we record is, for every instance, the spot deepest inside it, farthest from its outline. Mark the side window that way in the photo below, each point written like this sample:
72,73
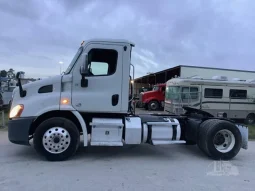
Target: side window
99,68
189,93
238,94
163,90
213,93
194,93
185,93
102,62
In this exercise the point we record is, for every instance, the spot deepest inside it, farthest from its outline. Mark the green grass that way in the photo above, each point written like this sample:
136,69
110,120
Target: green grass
5,120
251,131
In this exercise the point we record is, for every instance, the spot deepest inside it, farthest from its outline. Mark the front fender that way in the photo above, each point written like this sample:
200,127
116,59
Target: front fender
83,126
39,104
146,101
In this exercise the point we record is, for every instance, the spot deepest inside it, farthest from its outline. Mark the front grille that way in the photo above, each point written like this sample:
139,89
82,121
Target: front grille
140,97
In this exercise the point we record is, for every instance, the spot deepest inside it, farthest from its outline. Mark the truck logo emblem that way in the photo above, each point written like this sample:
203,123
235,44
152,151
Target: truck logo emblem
78,105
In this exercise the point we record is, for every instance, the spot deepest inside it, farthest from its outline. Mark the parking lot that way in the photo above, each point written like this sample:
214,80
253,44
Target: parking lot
144,167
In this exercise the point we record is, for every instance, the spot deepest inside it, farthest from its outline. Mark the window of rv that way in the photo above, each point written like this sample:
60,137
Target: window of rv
238,94
189,93
172,93
213,93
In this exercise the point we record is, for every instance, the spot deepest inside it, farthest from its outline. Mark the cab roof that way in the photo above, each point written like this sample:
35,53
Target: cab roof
107,40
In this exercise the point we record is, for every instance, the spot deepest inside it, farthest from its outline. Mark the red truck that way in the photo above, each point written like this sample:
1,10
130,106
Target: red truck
154,99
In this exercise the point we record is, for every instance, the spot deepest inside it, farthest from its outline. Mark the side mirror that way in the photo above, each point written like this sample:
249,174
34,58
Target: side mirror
84,64
20,75
84,70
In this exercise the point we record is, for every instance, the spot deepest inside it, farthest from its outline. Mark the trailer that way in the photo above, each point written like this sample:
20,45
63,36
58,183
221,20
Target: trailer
91,99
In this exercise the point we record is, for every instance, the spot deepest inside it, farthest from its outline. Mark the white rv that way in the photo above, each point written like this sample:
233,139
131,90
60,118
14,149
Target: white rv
219,96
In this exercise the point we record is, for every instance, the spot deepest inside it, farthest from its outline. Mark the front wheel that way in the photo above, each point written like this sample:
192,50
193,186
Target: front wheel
153,105
56,139
219,139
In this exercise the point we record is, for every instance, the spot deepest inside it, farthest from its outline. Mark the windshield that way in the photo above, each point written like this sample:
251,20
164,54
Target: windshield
172,92
155,88
68,70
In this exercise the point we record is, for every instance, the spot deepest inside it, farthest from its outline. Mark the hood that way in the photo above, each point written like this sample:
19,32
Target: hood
46,81
38,83
149,92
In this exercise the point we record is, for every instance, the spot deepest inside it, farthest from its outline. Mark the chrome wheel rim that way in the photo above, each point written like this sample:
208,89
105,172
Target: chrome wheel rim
153,106
56,140
224,141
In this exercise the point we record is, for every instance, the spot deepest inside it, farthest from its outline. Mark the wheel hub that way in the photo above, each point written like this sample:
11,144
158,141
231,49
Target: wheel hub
56,140
219,139
153,106
224,141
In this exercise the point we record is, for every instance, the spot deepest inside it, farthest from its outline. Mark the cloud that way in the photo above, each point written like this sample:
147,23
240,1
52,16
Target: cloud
36,35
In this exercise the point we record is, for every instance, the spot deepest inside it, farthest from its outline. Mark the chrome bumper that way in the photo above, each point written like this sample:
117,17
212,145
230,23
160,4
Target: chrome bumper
245,135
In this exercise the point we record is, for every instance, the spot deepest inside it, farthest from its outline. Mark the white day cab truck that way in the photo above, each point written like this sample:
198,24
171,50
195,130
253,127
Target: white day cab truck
91,99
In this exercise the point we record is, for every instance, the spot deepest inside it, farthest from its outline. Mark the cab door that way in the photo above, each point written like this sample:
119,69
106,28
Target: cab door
103,93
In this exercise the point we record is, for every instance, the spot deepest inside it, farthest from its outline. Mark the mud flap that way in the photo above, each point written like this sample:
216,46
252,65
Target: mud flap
245,135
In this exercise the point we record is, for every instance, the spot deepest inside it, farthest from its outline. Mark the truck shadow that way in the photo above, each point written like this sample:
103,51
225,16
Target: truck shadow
107,153
164,152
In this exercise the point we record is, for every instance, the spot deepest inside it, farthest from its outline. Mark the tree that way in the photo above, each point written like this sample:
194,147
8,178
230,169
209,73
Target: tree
10,73
3,73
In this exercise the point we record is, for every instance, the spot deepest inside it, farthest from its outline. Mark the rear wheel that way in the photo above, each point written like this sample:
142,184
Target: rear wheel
250,119
56,139
219,139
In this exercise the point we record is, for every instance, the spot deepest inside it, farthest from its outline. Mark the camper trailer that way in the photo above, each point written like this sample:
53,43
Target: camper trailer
234,99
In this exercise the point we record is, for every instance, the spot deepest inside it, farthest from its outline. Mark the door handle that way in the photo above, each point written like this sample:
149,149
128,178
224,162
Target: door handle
115,99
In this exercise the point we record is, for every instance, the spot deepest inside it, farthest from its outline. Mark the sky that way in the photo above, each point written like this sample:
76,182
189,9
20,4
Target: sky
36,35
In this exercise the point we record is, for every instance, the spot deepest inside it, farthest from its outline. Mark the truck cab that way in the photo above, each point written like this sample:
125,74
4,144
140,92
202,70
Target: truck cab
92,99
154,99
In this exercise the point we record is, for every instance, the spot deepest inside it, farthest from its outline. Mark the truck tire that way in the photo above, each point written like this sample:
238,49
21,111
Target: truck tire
250,119
199,144
188,142
56,139
219,139
153,105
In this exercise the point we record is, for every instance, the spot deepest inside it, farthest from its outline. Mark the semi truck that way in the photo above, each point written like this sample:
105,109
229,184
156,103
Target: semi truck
154,99
91,101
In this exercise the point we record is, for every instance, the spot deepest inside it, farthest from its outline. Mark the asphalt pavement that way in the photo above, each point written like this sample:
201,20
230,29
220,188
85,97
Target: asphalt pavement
143,167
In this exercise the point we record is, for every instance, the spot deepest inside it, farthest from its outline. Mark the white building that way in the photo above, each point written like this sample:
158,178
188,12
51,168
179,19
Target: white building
190,71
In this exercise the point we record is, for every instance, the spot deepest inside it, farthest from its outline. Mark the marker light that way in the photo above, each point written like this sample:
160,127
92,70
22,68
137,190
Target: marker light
16,111
65,101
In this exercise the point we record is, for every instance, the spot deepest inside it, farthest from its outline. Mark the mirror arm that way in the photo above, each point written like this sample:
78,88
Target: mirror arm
84,81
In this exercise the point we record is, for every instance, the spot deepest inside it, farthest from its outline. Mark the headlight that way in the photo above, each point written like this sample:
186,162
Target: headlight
16,111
